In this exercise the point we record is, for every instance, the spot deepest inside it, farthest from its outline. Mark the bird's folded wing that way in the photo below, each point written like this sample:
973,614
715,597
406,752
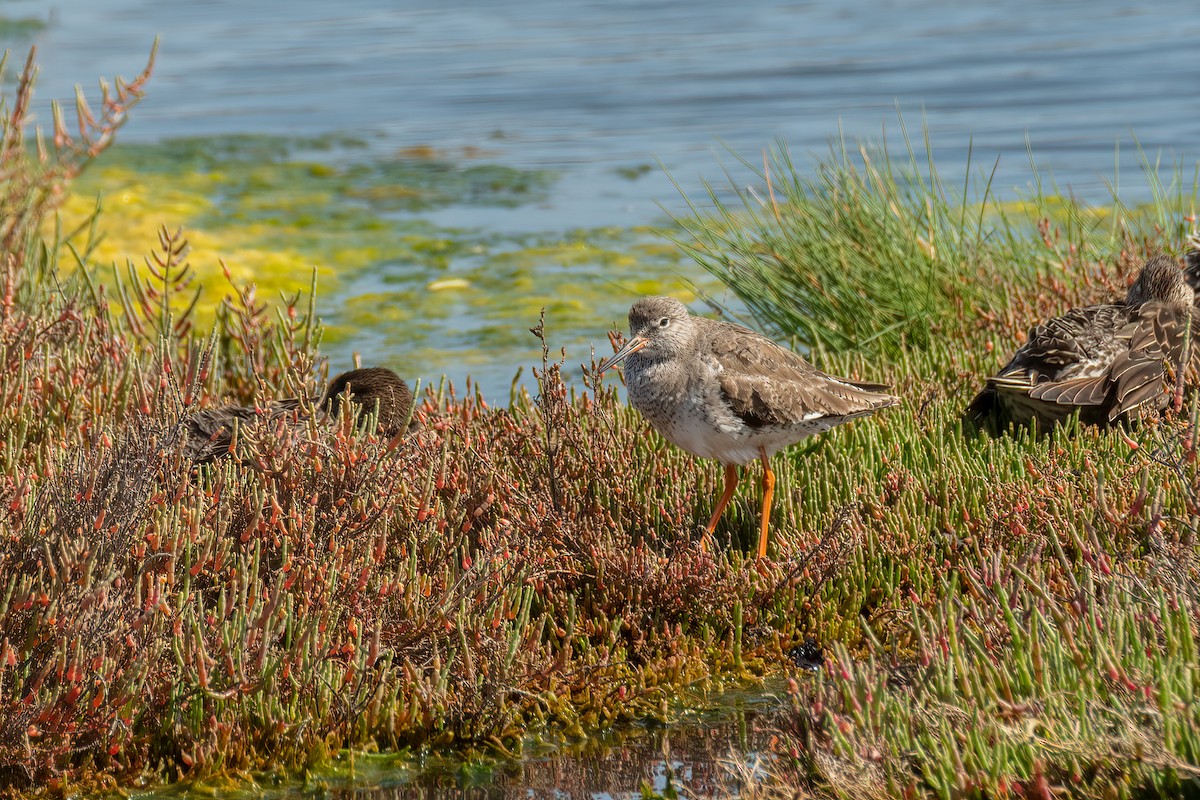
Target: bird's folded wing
1191,262
1138,378
1166,331
1090,391
1162,339
1079,340
766,384
210,430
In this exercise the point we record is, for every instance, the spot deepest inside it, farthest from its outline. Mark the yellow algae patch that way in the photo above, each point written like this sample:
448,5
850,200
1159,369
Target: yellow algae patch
133,211
448,283
385,193
1048,205
419,151
134,201
388,279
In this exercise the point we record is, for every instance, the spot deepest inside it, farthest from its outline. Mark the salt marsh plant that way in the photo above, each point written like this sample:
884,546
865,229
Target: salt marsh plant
1003,615
328,589
35,182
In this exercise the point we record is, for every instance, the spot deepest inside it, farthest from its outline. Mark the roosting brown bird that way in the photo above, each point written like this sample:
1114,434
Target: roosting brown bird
372,390
1103,361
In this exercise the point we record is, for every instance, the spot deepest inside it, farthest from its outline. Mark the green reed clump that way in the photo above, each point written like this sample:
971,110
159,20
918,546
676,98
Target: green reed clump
862,254
867,253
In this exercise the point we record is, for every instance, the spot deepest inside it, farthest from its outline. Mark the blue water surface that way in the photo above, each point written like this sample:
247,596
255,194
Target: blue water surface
589,88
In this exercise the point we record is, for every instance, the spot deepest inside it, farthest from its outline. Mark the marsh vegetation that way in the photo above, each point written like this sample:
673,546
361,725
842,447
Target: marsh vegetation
1000,615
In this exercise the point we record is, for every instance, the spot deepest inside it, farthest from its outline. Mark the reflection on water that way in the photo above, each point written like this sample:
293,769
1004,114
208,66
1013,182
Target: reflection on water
596,92
703,755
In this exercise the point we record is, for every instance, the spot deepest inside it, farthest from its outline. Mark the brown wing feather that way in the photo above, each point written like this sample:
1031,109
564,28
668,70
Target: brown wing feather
766,384
1105,360
1155,340
210,431
1091,391
1168,331
1081,342
1162,340
1191,263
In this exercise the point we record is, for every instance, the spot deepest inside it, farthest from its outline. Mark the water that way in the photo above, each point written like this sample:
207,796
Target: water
699,755
584,87
590,88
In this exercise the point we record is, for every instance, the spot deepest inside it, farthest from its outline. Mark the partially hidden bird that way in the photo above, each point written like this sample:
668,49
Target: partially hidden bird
720,390
376,390
1104,362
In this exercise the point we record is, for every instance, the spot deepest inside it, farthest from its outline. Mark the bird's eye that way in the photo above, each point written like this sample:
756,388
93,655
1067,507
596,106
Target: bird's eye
664,322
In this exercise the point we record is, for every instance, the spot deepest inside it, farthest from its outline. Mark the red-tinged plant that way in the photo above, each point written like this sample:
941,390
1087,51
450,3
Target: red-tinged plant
35,185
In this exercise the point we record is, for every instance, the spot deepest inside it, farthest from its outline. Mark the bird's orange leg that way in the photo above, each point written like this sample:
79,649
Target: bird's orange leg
730,484
768,494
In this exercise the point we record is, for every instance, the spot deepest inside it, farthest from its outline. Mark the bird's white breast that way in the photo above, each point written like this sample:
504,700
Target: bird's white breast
689,410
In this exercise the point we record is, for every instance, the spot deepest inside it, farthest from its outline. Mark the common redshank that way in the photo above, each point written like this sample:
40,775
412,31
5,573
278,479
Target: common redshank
372,390
1102,361
722,391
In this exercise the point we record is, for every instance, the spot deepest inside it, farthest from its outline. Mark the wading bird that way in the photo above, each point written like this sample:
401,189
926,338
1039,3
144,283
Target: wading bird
722,391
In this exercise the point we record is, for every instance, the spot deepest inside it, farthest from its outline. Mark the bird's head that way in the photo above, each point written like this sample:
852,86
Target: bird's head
1161,281
659,327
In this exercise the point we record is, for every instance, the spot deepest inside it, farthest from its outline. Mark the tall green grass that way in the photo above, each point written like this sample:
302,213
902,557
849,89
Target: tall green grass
866,251
860,253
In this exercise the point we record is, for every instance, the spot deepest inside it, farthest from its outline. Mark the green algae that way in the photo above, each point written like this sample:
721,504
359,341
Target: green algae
272,210
700,727
287,178
634,172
